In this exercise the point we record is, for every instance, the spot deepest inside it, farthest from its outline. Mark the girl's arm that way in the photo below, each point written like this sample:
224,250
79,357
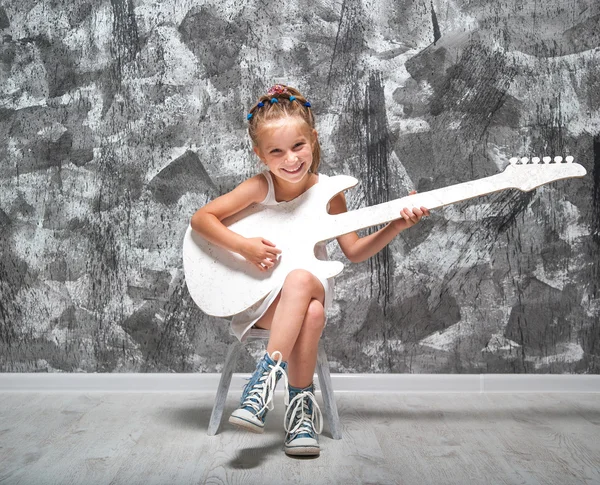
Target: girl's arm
358,249
207,222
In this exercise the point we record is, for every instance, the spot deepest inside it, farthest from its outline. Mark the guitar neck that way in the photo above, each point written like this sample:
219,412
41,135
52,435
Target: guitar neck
388,211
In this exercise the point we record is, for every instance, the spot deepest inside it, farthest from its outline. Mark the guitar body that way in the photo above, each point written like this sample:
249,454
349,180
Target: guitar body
223,283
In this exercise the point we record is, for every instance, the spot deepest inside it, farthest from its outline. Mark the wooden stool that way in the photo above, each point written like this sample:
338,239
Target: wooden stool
331,412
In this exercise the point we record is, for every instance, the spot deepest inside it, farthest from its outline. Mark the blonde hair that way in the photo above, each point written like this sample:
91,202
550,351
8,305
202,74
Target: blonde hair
265,111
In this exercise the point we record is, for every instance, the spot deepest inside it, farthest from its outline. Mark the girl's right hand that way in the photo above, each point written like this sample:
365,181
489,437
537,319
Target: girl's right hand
260,252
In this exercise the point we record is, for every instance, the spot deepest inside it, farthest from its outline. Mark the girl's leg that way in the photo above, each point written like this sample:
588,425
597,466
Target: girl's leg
303,358
303,420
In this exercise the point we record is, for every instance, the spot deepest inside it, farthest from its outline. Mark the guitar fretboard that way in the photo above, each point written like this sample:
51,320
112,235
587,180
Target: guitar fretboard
389,211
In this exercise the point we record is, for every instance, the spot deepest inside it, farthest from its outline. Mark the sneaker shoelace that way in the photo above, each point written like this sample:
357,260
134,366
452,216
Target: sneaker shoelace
298,419
260,397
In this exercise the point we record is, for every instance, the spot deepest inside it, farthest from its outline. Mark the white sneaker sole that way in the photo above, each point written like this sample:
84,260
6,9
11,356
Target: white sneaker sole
247,425
303,451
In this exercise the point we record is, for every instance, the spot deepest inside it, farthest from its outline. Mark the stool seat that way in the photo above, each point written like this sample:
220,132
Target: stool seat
330,411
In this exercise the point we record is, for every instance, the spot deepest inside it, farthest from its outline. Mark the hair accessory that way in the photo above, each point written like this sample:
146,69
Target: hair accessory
274,100
277,89
249,116
260,105
307,104
292,98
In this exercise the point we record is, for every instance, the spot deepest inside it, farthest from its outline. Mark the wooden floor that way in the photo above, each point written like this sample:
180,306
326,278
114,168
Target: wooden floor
154,438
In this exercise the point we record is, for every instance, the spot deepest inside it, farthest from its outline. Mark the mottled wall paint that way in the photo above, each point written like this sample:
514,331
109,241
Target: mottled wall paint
119,119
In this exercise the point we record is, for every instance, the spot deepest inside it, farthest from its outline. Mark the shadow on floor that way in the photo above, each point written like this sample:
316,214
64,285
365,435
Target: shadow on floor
248,458
188,416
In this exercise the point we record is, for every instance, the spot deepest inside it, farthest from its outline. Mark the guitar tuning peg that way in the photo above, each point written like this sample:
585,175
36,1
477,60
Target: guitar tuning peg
569,159
524,160
558,159
546,159
535,160
513,160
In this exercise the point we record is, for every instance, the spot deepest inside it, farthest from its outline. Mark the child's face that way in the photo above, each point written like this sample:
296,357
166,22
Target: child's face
285,147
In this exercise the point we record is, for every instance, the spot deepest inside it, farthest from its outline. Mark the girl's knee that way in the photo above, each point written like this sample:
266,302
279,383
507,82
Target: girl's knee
301,281
299,277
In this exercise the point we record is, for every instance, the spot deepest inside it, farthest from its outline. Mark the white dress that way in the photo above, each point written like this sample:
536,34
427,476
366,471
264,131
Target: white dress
242,322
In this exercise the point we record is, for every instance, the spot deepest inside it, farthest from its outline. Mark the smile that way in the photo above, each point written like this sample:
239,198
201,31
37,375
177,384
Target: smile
294,171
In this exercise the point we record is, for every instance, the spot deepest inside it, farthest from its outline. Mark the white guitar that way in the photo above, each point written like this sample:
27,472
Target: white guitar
223,283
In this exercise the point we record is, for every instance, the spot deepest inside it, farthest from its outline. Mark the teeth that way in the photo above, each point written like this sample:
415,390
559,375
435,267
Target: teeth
294,170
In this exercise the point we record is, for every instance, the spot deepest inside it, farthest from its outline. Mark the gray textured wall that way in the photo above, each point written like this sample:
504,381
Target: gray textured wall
119,119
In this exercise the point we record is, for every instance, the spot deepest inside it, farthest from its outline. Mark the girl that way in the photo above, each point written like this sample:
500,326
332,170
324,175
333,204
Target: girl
282,128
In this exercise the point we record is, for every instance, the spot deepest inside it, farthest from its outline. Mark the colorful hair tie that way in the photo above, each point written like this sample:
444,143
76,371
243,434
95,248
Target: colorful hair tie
277,89
274,91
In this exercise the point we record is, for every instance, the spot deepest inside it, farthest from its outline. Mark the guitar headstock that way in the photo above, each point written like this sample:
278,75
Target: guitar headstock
528,173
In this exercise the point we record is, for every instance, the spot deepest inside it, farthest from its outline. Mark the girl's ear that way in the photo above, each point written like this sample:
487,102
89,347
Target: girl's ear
314,135
258,153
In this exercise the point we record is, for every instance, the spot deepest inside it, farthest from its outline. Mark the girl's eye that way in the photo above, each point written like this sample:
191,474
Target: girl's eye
299,144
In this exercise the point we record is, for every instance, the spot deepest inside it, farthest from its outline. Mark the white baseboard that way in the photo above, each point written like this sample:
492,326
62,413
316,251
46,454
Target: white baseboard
400,383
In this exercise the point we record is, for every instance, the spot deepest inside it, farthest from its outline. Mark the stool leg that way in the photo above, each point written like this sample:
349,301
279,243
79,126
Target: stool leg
219,405
331,411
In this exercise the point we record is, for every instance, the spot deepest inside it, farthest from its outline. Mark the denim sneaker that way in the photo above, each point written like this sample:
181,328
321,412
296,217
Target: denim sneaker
257,397
302,416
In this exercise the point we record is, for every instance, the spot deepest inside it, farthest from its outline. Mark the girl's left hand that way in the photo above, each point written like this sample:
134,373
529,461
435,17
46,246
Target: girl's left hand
410,217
